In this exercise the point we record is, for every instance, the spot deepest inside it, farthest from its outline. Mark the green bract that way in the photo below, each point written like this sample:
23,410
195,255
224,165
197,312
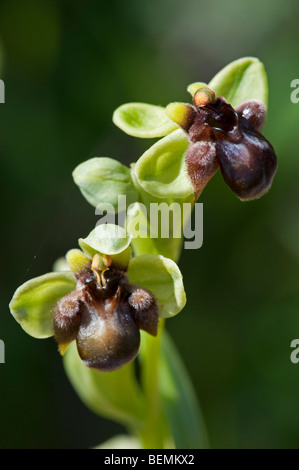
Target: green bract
163,278
102,180
33,302
143,120
161,171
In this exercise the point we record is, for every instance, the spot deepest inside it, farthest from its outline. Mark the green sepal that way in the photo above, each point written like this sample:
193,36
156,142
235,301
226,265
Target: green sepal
241,80
102,180
33,302
143,120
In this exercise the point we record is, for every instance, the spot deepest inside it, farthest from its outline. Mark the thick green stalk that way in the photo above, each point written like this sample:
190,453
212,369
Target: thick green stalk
155,433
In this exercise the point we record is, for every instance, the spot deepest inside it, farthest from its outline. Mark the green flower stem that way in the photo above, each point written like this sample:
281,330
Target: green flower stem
155,433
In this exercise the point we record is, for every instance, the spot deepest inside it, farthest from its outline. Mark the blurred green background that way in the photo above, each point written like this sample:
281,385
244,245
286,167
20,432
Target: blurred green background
67,65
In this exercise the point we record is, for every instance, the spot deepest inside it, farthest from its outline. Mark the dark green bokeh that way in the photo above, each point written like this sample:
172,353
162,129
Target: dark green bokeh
67,66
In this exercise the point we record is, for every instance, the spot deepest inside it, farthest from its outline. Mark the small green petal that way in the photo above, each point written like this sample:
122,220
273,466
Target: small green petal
161,170
241,80
193,87
108,239
33,302
181,113
162,277
143,120
102,180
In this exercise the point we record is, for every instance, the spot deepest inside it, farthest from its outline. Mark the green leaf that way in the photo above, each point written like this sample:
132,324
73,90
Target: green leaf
162,277
108,239
102,180
161,170
179,400
241,80
33,302
143,120
114,395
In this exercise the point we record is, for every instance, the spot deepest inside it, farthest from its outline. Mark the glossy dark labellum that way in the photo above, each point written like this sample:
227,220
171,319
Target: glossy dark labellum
221,136
104,315
247,160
